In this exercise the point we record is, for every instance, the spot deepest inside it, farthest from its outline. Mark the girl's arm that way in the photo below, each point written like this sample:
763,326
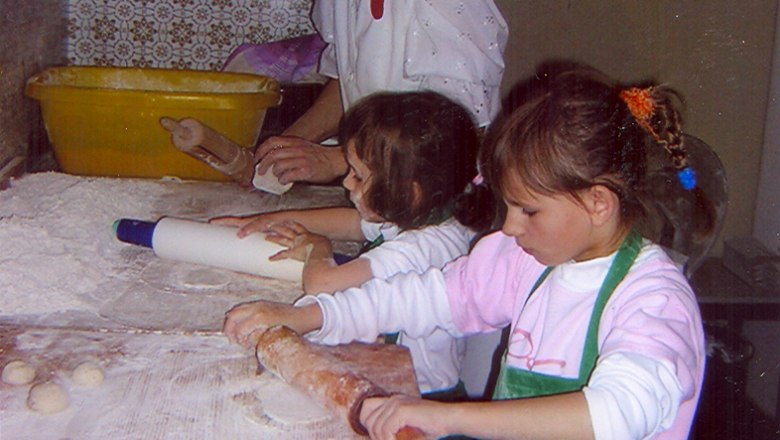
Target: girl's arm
552,417
245,319
321,274
414,303
333,223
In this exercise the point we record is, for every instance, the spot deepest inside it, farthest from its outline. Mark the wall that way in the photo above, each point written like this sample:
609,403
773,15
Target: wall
767,223
767,229
716,54
197,34
32,37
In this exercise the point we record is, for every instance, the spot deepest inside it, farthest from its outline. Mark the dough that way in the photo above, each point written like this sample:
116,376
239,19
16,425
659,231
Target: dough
268,182
18,373
204,278
88,374
47,398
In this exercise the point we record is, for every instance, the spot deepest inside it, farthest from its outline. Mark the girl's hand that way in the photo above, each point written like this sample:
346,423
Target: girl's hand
253,223
301,244
230,220
385,417
243,320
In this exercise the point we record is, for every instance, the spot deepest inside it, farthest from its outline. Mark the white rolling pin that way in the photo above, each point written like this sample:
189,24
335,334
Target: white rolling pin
209,244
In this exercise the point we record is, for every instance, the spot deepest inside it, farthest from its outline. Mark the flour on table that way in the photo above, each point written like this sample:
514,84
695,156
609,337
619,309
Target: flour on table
70,292
61,257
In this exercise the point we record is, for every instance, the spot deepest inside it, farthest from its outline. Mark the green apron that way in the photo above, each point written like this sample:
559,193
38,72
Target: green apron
516,383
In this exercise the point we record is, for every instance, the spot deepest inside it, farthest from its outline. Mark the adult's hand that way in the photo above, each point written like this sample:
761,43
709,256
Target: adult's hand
296,159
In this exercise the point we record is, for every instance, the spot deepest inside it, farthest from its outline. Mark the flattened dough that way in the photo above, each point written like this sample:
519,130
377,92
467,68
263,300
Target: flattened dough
88,374
47,398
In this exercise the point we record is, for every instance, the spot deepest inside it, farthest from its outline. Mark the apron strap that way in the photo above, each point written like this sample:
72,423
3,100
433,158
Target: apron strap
626,254
624,259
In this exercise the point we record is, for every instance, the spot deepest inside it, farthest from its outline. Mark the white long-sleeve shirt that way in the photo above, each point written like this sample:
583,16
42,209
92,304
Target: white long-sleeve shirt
437,356
414,250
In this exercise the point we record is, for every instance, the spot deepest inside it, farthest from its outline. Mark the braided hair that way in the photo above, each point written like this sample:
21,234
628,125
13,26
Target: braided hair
578,129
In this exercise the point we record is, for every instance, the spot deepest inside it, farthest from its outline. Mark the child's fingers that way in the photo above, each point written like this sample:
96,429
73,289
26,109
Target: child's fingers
296,227
282,229
287,242
258,225
281,255
244,331
236,320
372,415
229,221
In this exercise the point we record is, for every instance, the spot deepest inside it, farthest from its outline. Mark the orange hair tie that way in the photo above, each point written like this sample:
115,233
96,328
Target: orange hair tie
641,105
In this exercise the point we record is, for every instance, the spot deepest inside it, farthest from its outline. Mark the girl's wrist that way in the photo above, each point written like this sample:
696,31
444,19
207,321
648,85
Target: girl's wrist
308,318
319,251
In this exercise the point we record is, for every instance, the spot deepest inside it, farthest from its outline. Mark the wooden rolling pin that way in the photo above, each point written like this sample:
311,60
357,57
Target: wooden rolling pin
314,370
202,142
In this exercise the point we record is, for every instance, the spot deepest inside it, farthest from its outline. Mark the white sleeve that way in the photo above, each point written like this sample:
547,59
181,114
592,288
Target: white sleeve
418,250
631,396
457,49
413,303
323,17
372,230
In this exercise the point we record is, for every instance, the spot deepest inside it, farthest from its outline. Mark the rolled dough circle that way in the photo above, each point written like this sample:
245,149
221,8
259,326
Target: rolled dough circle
205,278
18,373
88,374
47,398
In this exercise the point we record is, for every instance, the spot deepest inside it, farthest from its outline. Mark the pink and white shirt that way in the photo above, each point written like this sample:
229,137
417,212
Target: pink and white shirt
648,377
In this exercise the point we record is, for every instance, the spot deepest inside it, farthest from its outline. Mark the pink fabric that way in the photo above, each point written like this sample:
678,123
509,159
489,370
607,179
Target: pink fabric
288,61
653,312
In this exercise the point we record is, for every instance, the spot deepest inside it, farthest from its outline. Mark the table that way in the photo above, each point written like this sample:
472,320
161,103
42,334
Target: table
724,297
70,292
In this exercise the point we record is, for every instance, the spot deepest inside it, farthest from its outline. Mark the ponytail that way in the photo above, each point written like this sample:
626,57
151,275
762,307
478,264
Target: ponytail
476,207
653,110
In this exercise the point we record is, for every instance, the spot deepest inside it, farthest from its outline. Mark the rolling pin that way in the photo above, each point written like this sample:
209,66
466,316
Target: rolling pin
209,244
310,368
200,141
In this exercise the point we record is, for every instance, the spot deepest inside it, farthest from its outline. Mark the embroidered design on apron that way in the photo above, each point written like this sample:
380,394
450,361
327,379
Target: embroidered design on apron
515,383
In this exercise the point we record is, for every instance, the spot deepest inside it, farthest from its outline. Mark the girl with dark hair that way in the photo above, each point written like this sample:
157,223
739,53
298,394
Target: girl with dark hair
411,156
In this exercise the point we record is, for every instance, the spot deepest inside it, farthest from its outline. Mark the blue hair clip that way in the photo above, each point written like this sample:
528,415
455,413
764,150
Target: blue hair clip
687,178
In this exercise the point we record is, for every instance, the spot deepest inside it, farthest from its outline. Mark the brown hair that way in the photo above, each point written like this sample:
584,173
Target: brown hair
575,131
406,138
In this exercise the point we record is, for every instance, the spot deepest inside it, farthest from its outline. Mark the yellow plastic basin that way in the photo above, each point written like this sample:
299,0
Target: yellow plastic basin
105,121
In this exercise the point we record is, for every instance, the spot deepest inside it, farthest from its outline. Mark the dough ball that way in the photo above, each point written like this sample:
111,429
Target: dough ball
88,374
47,398
18,373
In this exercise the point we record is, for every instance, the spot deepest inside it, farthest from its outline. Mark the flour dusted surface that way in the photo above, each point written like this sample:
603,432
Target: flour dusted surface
71,293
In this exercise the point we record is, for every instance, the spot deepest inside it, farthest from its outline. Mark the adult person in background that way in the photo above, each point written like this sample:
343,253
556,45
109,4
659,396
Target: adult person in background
453,48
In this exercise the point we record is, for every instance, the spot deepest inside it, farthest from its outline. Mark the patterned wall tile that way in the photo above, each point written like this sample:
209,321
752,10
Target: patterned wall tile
182,34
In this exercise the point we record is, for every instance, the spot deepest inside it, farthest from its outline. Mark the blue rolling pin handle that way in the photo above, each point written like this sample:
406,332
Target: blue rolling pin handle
138,232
